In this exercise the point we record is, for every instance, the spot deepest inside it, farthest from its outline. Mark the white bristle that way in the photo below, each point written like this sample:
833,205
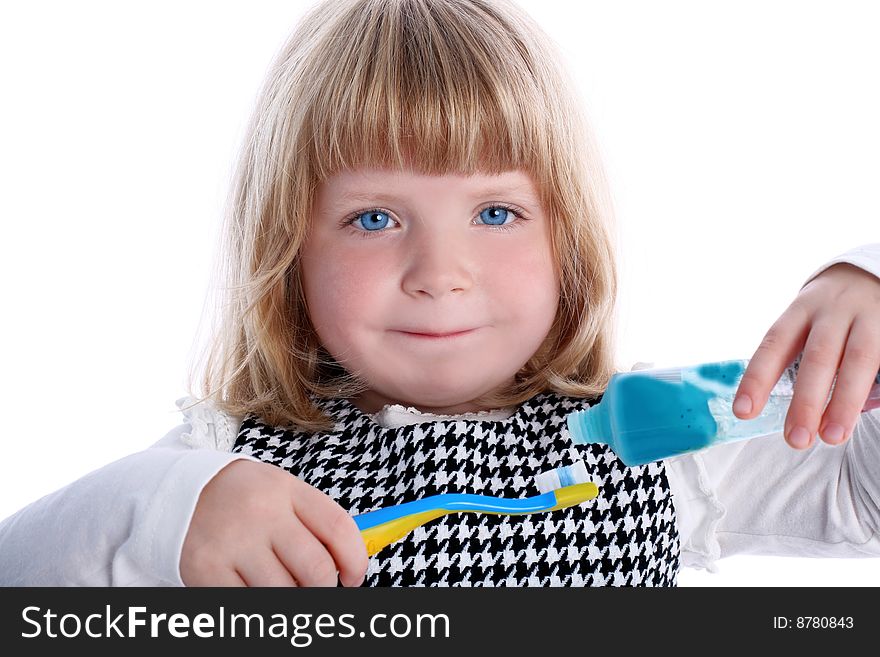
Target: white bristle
564,476
668,374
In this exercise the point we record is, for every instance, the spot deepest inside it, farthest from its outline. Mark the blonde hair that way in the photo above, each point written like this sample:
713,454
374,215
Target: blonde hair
434,86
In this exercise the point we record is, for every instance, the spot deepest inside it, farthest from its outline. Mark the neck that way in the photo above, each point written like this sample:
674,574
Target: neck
372,402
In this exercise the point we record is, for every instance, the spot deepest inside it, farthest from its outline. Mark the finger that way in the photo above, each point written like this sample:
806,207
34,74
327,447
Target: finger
220,578
336,529
858,369
777,350
264,568
305,557
817,370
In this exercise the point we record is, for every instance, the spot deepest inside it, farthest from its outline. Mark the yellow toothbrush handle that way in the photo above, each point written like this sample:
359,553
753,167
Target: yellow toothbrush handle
385,534
574,494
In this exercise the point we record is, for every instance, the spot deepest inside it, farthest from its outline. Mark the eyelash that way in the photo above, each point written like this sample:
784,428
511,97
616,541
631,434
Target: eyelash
518,212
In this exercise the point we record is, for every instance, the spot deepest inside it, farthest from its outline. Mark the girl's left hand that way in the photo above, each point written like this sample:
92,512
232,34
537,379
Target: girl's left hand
835,321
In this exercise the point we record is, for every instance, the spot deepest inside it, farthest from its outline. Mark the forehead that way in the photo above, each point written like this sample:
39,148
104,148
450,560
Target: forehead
363,184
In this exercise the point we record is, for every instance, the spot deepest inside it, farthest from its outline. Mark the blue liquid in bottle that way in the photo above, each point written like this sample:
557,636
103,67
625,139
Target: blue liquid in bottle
650,415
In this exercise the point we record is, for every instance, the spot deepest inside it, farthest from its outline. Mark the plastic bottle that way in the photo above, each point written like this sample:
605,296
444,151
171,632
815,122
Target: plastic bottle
649,415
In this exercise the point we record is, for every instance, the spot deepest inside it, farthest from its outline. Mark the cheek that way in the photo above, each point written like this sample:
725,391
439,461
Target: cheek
527,280
340,291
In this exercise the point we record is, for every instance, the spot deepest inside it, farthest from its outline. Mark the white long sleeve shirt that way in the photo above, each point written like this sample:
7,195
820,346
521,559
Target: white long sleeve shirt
125,524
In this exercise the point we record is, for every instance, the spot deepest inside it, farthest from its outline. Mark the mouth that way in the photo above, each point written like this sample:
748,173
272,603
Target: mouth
425,335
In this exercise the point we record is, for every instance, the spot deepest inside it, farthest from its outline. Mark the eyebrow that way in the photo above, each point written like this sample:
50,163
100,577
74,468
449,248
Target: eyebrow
488,191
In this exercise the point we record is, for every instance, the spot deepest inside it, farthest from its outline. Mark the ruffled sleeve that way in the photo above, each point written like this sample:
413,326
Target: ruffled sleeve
210,428
698,510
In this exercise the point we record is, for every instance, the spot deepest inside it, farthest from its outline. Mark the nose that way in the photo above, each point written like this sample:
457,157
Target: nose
438,264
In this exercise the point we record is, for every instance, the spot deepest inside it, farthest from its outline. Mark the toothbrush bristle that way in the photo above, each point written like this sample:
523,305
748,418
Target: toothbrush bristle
557,478
672,374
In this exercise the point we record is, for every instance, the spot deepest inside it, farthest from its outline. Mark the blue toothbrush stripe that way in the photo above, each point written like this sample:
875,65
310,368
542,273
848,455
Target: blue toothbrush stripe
456,502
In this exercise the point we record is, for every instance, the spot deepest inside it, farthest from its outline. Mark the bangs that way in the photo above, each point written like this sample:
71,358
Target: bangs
435,88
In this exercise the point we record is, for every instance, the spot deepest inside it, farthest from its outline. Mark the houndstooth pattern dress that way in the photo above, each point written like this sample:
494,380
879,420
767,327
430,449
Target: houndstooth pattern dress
625,537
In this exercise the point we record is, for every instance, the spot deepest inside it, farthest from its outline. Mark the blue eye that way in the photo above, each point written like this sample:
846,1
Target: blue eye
495,216
372,220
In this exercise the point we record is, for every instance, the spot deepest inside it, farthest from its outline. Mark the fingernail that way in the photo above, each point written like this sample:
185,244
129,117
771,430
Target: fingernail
799,437
833,433
742,405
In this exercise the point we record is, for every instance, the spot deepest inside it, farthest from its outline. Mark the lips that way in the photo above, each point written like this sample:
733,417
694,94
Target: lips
433,333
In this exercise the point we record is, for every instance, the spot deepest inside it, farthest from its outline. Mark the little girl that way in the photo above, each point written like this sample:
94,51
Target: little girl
421,288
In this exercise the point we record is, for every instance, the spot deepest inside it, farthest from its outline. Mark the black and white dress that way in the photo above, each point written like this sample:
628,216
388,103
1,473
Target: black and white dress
626,536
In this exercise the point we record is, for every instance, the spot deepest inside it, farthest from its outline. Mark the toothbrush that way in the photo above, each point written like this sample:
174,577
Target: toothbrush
560,489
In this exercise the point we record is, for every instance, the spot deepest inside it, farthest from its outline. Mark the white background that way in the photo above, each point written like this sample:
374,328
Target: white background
741,140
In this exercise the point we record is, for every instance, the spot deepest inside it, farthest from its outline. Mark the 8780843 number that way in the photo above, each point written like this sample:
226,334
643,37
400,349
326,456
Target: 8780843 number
824,622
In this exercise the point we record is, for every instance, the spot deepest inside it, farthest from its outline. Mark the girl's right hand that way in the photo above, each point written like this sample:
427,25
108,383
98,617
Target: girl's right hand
257,525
